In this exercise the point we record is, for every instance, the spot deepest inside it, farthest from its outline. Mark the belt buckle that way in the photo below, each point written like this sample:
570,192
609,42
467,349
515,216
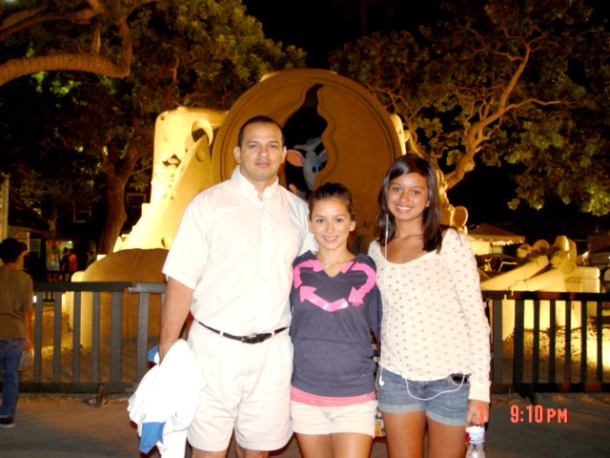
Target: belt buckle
255,338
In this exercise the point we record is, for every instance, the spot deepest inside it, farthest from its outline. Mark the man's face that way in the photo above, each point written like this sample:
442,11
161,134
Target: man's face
261,154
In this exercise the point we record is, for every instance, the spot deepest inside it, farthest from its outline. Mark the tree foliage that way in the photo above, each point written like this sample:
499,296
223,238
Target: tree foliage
56,181
498,82
165,53
202,53
91,36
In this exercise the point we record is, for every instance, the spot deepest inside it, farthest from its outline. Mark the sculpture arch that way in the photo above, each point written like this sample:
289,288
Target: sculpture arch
360,139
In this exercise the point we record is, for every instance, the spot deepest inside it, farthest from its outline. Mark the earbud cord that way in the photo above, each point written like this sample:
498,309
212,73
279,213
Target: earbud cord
437,394
385,268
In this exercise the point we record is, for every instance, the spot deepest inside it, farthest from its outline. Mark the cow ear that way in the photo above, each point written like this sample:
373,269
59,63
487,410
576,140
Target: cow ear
295,157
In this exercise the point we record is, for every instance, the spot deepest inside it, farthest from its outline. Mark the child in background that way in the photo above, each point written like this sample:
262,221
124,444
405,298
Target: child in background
335,306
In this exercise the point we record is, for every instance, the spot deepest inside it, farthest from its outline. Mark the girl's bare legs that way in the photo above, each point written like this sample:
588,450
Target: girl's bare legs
348,445
338,445
315,445
405,434
445,441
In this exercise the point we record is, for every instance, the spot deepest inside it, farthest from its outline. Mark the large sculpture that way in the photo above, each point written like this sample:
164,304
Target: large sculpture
194,150
182,167
546,267
359,137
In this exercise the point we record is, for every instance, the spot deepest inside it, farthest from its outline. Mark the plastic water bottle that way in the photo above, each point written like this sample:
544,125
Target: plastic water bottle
475,437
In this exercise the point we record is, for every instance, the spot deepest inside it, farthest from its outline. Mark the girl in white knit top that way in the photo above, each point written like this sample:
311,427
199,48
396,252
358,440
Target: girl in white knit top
434,367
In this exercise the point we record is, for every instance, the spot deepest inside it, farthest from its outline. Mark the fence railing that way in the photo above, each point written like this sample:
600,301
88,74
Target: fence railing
546,341
93,334
89,334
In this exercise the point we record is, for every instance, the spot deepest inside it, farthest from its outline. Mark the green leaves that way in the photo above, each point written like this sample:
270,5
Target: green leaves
203,53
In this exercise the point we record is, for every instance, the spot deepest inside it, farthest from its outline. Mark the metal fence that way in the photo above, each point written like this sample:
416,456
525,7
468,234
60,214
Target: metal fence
546,341
93,335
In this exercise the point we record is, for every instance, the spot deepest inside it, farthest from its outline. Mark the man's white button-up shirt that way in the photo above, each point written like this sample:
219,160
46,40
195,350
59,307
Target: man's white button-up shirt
236,251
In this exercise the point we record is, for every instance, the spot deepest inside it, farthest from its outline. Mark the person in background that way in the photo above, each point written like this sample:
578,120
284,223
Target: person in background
72,261
335,306
435,349
16,304
64,265
230,265
90,257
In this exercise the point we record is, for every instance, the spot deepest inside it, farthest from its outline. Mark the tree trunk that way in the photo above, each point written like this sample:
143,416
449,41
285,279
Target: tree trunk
115,216
118,171
52,220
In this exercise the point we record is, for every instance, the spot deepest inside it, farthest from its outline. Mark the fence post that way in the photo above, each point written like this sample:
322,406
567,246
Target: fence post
496,338
518,341
116,338
144,289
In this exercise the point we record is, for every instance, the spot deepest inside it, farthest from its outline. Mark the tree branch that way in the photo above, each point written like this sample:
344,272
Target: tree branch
24,19
83,61
77,61
20,16
476,135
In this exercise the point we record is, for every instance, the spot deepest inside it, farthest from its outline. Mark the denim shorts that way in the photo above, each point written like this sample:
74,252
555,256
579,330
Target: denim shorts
444,400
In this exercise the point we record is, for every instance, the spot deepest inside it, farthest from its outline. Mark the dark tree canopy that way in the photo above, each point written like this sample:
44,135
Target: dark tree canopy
112,66
499,83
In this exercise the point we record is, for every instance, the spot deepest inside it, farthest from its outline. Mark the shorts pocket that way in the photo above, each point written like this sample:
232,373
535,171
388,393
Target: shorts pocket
457,380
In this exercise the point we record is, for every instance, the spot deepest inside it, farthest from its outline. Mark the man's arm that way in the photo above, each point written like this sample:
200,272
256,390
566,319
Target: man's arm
173,314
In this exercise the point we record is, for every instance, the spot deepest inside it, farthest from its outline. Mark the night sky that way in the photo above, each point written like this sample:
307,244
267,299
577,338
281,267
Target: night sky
320,26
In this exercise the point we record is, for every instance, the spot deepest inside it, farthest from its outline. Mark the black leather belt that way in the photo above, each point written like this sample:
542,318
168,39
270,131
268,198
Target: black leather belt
251,339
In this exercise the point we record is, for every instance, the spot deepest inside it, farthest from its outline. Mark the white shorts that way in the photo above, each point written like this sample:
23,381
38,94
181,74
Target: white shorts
315,420
247,388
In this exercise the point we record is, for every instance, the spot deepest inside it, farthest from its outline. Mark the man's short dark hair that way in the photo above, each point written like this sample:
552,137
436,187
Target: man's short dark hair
260,119
10,249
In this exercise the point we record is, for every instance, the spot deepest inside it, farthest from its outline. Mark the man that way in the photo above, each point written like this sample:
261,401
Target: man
230,265
64,265
16,303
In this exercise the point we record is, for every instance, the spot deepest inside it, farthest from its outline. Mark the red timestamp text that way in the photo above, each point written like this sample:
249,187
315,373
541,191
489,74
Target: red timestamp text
538,414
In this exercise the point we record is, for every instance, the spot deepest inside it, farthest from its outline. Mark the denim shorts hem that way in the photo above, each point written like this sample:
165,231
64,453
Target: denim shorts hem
404,408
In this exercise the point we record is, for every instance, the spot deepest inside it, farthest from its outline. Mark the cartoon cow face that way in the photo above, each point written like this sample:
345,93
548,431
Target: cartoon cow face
311,156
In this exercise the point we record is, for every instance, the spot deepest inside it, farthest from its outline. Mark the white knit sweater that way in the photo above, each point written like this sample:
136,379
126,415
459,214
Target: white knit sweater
434,321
